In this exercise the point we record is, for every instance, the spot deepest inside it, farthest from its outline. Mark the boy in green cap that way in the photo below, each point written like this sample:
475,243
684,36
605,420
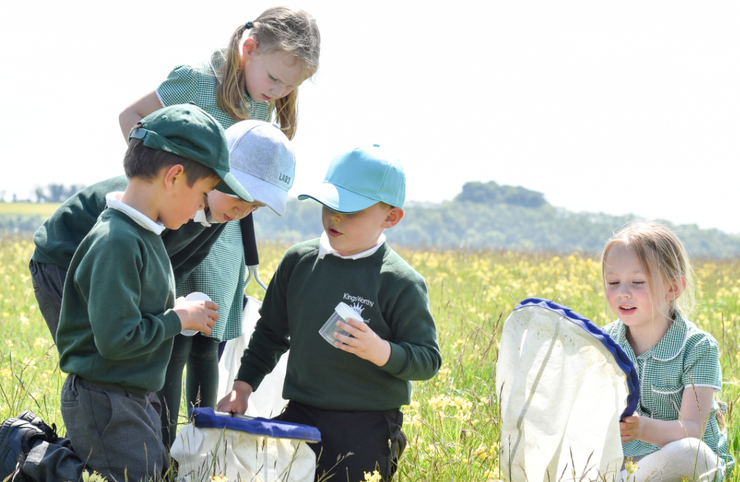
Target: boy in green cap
119,313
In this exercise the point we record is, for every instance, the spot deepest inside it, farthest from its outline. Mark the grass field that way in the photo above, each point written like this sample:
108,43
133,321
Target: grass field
453,421
28,208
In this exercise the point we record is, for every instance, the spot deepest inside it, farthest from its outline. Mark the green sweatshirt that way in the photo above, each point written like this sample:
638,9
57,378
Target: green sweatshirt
388,294
57,239
117,322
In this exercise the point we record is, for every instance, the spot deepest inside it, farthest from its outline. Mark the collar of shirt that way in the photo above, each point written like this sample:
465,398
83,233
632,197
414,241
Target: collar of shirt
113,200
669,347
204,218
325,248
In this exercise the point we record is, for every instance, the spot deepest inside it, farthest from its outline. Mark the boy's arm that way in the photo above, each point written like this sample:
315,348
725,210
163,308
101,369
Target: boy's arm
109,280
271,336
413,353
269,341
188,246
60,235
236,401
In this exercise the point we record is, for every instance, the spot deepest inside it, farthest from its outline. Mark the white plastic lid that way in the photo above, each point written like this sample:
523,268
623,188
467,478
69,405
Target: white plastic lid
197,296
345,311
194,296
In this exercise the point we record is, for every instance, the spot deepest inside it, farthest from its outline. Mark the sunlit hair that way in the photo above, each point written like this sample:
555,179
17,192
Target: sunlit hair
659,251
291,30
144,162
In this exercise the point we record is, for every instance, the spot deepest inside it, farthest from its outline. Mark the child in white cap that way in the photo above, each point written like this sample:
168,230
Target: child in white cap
262,160
351,389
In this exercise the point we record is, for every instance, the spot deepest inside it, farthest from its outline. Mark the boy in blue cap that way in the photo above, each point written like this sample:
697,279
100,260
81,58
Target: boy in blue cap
119,313
351,390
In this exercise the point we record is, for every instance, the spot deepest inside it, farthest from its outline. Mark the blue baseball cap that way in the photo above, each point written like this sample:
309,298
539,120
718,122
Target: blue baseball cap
360,178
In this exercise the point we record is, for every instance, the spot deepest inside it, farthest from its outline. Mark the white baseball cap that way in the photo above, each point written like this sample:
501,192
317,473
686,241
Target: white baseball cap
262,160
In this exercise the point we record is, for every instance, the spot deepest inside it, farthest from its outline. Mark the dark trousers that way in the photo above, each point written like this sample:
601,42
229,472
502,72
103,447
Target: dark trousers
200,354
117,433
375,440
48,283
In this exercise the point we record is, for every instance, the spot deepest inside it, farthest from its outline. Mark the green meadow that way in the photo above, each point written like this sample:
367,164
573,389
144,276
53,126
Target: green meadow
44,209
453,421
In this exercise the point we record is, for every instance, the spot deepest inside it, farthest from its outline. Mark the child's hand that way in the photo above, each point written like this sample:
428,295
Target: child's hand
365,344
630,428
197,315
237,400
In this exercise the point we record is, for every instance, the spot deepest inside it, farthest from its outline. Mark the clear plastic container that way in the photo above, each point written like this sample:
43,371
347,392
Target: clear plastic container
330,328
195,296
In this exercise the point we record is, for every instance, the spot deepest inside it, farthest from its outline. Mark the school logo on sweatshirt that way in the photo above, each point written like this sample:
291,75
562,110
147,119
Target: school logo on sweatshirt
358,304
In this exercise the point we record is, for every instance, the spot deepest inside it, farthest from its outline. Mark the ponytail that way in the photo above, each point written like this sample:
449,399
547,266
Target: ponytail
231,96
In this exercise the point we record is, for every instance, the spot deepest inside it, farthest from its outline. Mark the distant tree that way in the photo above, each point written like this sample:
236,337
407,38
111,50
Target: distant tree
56,193
40,195
480,193
491,193
490,216
519,196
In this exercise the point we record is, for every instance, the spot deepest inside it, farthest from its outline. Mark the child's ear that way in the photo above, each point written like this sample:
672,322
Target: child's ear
675,288
173,175
249,47
393,217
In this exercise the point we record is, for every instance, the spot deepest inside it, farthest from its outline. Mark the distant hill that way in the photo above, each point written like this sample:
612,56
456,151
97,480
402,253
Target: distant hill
492,216
482,216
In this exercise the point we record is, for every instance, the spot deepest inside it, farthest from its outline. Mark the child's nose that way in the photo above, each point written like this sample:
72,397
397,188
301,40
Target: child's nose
624,291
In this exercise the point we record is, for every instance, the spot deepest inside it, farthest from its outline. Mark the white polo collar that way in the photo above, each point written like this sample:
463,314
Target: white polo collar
325,248
204,218
113,200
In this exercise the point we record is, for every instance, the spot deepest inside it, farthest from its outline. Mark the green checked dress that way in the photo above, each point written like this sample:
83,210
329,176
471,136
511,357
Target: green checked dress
222,274
685,356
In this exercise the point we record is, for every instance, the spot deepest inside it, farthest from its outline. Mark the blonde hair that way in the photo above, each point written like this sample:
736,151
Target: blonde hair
291,30
660,252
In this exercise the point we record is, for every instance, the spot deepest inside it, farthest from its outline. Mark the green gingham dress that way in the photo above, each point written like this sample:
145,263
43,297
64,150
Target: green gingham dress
222,274
685,356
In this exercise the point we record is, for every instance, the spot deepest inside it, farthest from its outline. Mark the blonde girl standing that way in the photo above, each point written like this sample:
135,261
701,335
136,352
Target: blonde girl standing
649,286
255,77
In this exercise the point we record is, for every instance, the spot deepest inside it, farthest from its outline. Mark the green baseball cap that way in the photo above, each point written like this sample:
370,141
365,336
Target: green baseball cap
190,132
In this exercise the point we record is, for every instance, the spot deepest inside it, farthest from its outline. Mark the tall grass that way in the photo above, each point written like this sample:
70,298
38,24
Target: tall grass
453,421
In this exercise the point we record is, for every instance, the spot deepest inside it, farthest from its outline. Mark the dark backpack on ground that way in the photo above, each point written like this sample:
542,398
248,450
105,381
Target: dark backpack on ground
31,451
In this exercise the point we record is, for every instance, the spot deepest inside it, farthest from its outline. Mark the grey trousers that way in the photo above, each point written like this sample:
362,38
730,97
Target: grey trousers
48,283
117,433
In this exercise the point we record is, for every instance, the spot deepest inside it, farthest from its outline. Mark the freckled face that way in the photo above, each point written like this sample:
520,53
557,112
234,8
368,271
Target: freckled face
226,208
357,232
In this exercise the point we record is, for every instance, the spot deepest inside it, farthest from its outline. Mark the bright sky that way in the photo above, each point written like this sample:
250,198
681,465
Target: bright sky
615,107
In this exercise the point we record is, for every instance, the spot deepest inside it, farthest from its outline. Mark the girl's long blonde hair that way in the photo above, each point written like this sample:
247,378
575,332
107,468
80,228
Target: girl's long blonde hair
288,29
660,253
